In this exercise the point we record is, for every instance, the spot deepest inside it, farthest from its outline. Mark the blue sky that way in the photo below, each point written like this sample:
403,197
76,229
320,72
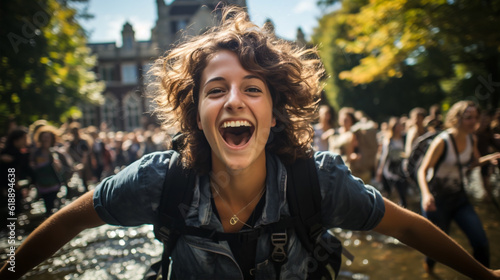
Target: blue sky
110,15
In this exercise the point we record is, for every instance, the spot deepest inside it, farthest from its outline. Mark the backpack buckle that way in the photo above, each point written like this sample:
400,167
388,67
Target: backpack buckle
279,240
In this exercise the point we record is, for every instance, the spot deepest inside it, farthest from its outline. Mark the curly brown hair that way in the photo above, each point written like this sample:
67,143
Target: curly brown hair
292,75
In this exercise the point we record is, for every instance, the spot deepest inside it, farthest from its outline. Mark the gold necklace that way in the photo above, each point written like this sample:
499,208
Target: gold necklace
234,219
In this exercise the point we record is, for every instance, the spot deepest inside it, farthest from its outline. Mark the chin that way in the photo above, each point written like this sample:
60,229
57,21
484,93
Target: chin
237,164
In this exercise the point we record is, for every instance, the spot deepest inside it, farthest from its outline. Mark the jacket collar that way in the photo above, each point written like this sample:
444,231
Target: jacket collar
275,197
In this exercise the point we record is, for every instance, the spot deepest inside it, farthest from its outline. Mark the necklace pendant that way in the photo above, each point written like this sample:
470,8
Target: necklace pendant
234,219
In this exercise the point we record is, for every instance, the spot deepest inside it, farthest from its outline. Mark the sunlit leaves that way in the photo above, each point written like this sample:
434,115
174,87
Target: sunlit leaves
390,31
376,41
49,70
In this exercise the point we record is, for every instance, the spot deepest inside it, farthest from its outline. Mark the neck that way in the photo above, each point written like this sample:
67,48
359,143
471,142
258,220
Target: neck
458,133
324,125
238,187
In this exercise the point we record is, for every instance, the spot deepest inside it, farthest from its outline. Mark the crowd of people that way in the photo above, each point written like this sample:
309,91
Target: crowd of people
465,139
46,157
378,152
375,152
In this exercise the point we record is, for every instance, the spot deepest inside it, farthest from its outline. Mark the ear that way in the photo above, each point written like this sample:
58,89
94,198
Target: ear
198,120
273,122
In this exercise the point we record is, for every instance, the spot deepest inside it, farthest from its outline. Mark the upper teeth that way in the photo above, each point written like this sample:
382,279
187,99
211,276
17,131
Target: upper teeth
235,124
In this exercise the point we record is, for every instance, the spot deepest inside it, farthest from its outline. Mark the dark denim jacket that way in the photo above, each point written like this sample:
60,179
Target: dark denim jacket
131,197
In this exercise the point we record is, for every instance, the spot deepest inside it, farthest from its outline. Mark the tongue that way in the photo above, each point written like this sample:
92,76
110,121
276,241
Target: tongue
236,139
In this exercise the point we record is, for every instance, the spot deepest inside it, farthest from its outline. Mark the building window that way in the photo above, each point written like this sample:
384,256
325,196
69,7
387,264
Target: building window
110,111
176,26
132,109
107,73
129,74
88,114
181,24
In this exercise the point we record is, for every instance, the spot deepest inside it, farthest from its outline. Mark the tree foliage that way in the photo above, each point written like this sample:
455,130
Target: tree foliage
45,64
423,51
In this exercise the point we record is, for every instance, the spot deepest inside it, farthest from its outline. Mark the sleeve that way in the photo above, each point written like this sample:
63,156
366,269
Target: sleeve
347,203
131,197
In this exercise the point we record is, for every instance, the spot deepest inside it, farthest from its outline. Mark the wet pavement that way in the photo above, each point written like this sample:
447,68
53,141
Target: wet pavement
110,252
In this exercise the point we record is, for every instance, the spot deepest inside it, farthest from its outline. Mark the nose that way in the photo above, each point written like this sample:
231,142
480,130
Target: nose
234,100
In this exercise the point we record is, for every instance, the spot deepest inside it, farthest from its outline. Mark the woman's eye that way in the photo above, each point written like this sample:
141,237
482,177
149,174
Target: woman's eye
214,91
253,89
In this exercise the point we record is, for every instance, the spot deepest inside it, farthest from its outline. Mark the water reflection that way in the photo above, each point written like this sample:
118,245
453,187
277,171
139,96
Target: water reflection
110,252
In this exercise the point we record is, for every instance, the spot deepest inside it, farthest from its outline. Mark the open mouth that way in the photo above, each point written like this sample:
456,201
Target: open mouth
236,133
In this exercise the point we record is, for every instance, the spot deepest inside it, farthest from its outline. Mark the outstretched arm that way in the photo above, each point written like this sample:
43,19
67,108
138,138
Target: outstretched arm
417,232
52,234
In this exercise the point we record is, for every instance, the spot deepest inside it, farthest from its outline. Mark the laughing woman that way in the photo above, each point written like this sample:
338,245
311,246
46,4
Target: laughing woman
244,101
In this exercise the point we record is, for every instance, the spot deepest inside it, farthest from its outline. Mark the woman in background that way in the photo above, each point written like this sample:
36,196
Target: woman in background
389,169
324,128
47,164
443,198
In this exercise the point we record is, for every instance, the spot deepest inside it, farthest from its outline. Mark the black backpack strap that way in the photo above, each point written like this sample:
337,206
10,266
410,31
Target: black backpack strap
304,200
176,197
443,154
459,164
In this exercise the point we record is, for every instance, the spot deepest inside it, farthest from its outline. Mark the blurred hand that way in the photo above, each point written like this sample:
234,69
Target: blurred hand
354,156
496,157
79,167
428,203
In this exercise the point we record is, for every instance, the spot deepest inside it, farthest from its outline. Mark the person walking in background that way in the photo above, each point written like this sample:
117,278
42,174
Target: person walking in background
495,127
33,128
365,132
118,154
79,151
47,165
324,127
149,146
486,144
443,197
132,147
434,121
343,141
15,157
416,129
99,154
389,171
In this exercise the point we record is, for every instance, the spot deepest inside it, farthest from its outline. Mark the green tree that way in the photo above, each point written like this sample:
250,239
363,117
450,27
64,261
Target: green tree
379,98
45,65
427,50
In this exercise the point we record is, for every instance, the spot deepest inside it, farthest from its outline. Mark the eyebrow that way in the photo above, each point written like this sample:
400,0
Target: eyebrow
247,77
